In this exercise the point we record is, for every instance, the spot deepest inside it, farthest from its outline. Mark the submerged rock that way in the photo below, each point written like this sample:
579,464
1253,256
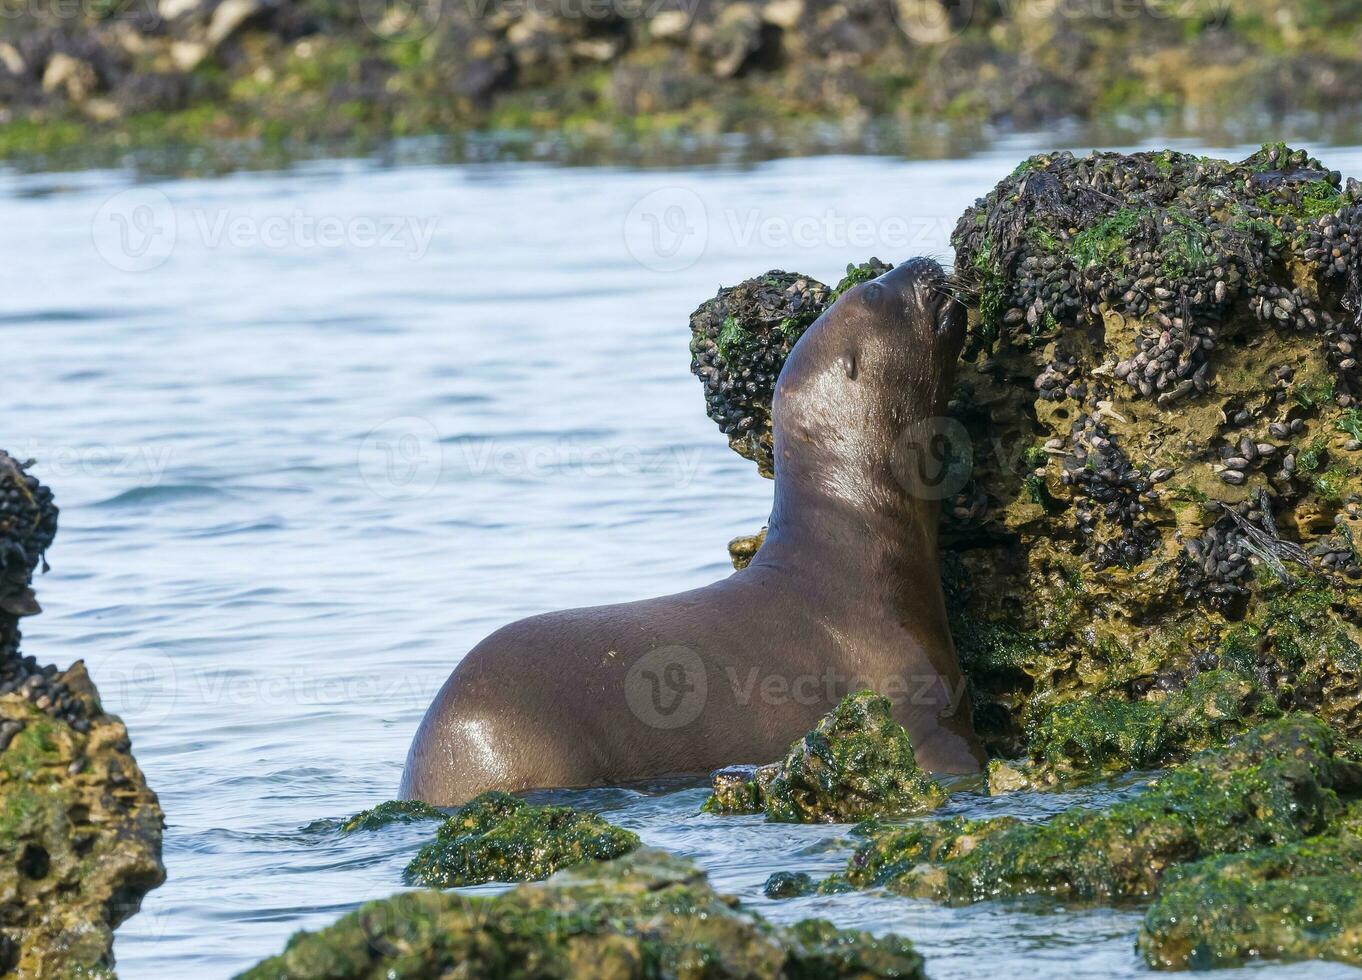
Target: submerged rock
393,811
80,830
1299,901
647,915
1088,737
788,884
499,837
856,764
1278,783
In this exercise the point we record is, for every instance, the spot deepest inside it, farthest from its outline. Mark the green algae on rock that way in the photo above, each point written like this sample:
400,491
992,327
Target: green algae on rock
857,763
788,884
82,832
739,342
499,837
1161,391
1278,783
1297,901
1088,737
309,70
1172,335
79,828
393,811
647,915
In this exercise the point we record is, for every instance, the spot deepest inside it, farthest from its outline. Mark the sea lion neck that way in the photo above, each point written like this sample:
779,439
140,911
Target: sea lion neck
872,528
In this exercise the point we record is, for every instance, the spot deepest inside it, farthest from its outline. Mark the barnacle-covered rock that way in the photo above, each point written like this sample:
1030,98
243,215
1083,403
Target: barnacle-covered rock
80,831
1159,335
1299,901
27,527
1161,387
391,812
647,915
499,837
1087,737
1281,782
856,764
739,341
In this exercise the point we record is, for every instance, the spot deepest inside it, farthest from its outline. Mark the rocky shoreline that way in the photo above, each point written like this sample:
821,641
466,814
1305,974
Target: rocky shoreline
131,73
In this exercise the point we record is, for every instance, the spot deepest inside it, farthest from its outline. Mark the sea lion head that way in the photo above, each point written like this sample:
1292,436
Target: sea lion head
873,373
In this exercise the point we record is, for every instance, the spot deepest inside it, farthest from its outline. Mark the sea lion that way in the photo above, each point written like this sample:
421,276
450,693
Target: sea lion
844,594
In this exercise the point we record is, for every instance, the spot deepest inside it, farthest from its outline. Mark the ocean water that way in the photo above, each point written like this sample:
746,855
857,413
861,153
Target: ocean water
315,432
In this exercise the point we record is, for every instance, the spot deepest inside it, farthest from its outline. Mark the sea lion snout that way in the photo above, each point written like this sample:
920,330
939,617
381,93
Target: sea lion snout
927,293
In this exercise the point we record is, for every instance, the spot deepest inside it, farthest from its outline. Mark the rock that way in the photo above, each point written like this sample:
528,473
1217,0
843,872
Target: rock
175,9
739,342
82,832
11,60
740,789
669,24
788,884
1299,901
1144,326
393,811
1092,736
70,76
188,55
228,17
742,549
856,764
648,915
498,837
1279,783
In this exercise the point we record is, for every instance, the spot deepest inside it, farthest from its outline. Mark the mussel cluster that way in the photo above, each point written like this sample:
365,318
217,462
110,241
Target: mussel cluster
739,342
1128,276
28,525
